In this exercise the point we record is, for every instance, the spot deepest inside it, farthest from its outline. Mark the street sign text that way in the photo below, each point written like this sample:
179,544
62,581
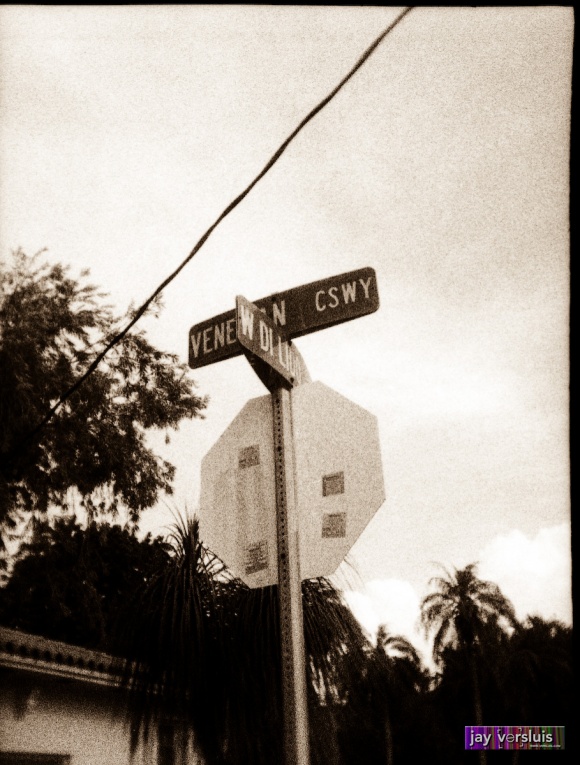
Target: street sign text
298,312
260,337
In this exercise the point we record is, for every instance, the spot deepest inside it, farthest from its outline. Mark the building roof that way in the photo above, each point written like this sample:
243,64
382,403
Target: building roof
32,653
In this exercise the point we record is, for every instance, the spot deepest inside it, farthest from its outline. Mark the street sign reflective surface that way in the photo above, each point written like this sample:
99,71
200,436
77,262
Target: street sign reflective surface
297,312
262,341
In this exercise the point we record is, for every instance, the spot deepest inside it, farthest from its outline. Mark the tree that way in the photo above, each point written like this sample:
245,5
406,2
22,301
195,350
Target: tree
463,608
396,678
73,583
51,326
202,650
466,614
537,667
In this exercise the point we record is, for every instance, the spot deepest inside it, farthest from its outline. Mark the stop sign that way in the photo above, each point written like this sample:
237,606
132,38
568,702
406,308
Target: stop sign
338,480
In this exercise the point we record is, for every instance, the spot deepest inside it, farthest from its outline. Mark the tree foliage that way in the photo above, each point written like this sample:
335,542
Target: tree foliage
463,608
470,619
202,653
537,673
73,583
51,326
203,650
385,701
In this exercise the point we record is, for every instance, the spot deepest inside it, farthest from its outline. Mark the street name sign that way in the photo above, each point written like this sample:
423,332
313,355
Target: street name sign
297,312
338,481
263,341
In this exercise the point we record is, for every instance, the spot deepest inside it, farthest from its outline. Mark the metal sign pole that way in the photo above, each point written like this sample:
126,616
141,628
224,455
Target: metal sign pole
294,696
267,343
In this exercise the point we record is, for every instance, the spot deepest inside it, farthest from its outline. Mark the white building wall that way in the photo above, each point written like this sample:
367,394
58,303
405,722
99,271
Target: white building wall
48,715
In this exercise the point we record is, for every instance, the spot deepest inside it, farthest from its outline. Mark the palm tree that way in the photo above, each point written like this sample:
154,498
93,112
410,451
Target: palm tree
537,667
466,614
383,713
398,678
202,651
171,640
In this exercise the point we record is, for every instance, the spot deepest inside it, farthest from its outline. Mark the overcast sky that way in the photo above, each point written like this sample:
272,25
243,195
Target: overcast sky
443,164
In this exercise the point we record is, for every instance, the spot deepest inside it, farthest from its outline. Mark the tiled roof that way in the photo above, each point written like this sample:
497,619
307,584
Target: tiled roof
19,650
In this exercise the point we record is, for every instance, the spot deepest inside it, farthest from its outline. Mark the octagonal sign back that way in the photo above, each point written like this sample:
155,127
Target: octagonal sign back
339,484
338,477
237,511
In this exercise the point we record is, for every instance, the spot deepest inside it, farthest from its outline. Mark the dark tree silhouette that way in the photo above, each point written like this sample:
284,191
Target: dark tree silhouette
397,677
203,650
466,615
536,667
73,583
51,327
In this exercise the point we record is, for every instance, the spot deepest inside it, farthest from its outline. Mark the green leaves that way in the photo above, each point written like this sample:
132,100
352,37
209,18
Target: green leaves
463,609
72,582
52,326
203,650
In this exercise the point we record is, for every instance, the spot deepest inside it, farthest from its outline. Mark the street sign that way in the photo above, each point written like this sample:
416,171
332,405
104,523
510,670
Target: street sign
294,480
298,312
263,341
338,480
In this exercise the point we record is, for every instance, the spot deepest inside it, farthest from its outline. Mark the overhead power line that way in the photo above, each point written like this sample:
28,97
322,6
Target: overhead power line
271,162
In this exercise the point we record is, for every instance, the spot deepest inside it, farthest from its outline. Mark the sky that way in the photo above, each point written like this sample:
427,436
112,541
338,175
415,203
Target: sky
443,164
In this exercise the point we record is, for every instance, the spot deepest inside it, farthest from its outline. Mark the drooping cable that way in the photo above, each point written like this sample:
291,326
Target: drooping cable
272,161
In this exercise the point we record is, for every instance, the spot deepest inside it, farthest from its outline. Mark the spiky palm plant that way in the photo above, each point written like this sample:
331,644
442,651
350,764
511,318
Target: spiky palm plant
466,614
394,679
202,650
171,641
